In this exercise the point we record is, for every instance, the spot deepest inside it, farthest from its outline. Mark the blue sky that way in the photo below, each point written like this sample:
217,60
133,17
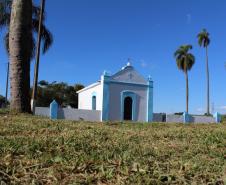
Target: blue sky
91,36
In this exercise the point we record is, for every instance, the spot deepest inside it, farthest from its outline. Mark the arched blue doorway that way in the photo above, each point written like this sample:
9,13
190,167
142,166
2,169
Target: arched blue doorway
128,106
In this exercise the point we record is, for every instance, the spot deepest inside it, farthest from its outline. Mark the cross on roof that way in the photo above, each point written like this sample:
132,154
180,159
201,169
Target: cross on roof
130,76
129,62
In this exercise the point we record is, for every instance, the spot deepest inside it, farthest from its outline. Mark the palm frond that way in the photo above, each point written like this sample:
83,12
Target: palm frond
4,20
36,10
184,59
6,39
47,39
180,64
46,35
190,61
200,40
203,38
33,48
206,42
4,13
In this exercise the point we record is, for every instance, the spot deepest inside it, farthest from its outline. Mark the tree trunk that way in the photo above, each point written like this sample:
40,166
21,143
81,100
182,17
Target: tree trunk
187,90
20,39
208,85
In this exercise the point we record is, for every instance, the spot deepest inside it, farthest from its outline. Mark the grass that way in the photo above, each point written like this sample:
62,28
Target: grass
35,150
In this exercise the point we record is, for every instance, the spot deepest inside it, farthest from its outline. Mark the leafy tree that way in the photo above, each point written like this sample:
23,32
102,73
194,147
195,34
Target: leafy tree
185,61
43,83
64,94
2,101
204,41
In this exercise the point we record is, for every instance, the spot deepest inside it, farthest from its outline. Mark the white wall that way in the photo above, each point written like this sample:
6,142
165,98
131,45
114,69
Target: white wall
42,111
85,98
115,101
75,114
193,119
202,119
71,114
171,118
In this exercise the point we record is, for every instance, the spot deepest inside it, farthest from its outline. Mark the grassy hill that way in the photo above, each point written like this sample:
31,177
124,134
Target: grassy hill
39,151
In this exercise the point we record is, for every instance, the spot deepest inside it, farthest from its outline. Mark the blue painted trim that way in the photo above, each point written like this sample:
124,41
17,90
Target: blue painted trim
106,94
129,83
150,101
132,95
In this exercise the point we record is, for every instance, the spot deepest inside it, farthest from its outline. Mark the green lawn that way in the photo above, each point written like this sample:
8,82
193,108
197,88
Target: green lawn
39,151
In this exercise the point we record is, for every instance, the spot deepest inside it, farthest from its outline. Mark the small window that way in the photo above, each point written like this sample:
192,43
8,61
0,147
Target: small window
94,103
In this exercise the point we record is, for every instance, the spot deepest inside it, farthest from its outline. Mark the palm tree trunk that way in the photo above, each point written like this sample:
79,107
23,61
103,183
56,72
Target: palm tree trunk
20,39
187,91
208,85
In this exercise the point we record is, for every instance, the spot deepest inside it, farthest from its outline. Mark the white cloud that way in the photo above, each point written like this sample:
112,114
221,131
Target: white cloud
200,109
222,107
189,17
143,64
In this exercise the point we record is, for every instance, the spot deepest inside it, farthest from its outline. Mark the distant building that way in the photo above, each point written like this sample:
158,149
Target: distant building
125,95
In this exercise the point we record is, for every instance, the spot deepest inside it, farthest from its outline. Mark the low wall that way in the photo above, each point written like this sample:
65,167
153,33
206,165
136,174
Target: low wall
171,118
159,117
192,119
78,114
202,119
94,115
70,114
42,111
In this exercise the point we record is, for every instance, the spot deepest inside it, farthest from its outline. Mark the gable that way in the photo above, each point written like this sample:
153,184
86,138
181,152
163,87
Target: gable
89,87
129,74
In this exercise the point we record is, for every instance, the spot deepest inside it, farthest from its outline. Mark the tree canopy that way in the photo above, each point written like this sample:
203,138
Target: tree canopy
2,101
64,94
184,59
203,38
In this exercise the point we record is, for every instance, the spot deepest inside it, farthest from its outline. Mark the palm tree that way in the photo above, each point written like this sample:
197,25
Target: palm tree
20,42
185,61
46,36
19,67
204,41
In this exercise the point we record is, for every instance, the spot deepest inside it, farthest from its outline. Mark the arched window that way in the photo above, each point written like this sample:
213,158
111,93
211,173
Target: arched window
94,102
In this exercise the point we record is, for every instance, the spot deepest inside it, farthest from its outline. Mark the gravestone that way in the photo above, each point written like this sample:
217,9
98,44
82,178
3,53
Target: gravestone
217,117
186,117
53,110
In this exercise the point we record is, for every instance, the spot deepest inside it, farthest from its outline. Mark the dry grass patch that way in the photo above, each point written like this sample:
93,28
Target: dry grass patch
39,151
